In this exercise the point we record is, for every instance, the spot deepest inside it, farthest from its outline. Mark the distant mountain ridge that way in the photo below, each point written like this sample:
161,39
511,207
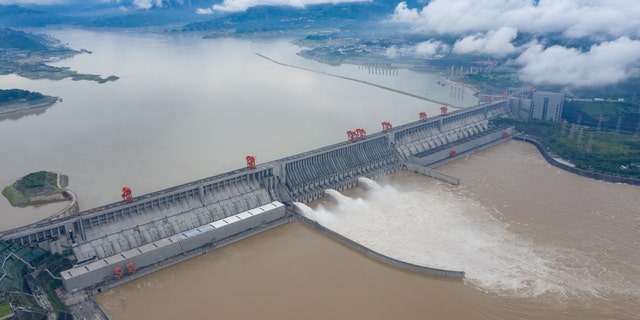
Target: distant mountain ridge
271,18
14,39
181,15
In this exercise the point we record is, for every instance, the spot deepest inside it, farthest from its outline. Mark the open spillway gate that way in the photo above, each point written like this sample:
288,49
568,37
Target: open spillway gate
111,230
305,177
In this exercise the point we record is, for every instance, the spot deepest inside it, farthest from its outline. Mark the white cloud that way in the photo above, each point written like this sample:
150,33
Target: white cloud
243,5
404,14
147,4
428,48
204,11
491,27
572,18
497,43
605,63
431,48
392,52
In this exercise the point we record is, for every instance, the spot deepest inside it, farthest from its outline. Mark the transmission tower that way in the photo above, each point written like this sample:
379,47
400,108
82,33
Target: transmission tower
572,131
618,125
579,141
599,123
589,142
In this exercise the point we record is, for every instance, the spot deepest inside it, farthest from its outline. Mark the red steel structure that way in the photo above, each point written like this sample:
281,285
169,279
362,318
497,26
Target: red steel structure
126,194
251,162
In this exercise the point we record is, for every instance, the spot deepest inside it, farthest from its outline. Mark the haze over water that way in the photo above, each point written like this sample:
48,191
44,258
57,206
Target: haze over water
535,242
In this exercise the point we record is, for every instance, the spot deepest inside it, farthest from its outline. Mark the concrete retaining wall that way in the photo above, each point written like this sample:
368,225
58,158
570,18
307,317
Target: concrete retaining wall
588,174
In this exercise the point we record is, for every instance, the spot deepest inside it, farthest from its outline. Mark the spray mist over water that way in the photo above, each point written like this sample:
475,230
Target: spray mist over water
441,228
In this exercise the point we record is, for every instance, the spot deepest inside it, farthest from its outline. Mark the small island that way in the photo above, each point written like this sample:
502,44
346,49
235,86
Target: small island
13,100
37,188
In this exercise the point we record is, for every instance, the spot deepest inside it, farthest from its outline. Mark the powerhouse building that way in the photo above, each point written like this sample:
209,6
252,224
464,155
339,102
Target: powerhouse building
532,104
546,106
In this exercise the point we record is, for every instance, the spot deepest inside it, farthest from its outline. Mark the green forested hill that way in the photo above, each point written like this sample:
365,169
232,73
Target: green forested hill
14,39
15,95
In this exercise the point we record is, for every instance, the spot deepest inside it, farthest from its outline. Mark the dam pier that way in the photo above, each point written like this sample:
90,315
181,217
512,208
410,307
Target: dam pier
118,241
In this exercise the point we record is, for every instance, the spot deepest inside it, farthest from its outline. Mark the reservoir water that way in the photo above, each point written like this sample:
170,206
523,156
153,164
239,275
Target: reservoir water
535,242
185,108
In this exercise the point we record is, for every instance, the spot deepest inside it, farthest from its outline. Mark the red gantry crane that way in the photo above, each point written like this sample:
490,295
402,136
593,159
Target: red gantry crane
443,111
423,116
131,268
386,126
251,162
127,195
358,134
351,136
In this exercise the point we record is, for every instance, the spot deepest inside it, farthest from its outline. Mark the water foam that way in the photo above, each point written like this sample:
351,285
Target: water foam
440,228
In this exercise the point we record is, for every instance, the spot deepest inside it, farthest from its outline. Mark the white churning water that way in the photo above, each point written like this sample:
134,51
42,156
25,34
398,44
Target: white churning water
439,227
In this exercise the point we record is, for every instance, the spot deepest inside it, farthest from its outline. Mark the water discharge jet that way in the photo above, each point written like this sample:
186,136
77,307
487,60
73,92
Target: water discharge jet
303,209
368,183
338,197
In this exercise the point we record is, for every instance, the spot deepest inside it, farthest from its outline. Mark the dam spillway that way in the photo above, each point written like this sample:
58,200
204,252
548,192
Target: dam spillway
177,220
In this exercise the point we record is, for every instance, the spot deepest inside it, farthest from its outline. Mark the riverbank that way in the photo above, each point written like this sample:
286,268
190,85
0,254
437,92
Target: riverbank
23,105
547,155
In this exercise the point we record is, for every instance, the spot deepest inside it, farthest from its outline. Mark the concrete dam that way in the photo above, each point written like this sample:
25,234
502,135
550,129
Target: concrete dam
120,240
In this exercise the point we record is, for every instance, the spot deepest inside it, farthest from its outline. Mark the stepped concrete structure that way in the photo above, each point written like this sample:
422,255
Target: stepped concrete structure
181,220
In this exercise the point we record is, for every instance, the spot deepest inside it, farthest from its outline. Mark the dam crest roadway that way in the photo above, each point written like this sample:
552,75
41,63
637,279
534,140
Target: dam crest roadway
116,242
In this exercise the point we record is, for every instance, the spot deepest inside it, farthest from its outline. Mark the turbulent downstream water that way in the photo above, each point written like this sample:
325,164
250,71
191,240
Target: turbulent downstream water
535,242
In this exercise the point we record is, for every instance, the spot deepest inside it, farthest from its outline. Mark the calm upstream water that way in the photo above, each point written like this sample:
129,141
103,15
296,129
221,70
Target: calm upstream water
185,108
535,242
